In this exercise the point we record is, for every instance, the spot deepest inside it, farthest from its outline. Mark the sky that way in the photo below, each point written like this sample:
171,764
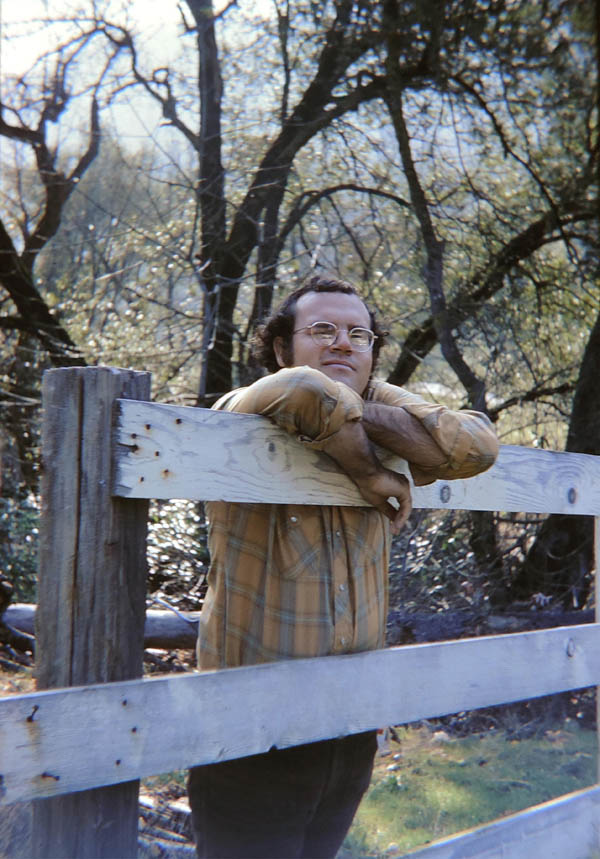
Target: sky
159,18
24,38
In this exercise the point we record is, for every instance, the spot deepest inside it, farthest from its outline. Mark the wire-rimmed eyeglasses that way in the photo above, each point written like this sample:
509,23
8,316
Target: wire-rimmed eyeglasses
326,333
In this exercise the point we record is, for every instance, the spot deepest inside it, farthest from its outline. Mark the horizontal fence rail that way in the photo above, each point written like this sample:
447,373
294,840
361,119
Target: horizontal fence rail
59,741
564,828
164,451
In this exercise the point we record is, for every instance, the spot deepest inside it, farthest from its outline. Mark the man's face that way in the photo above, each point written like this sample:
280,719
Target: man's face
340,361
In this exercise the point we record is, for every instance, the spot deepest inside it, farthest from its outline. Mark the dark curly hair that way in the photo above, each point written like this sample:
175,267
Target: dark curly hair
281,322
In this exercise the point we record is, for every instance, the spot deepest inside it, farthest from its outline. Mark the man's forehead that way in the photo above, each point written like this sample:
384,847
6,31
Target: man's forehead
312,303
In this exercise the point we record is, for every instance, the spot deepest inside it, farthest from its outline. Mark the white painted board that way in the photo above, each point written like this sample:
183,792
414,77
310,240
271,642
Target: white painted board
564,828
523,480
164,451
65,740
179,452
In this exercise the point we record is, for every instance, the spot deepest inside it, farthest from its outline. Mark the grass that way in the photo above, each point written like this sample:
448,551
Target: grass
431,786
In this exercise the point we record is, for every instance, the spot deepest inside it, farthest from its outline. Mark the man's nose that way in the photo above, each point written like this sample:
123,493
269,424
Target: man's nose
343,341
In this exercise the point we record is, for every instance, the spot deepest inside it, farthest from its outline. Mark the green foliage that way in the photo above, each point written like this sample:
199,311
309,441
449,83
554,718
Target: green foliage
501,132
434,568
177,554
121,271
19,520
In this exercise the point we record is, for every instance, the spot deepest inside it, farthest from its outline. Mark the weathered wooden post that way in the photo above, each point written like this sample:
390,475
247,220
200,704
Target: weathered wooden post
91,591
597,612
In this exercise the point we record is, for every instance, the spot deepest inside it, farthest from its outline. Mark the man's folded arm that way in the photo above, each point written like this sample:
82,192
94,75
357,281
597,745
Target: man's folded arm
300,400
437,442
326,415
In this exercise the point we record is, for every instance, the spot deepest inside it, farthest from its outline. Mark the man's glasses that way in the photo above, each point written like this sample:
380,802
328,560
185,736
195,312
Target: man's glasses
326,333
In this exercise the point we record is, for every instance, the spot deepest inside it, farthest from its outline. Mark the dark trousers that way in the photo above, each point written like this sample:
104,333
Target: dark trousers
284,804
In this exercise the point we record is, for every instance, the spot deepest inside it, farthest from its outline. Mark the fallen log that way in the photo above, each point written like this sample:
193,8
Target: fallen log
163,629
410,627
171,630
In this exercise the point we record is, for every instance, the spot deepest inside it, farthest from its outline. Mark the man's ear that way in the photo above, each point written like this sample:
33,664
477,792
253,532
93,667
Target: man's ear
280,351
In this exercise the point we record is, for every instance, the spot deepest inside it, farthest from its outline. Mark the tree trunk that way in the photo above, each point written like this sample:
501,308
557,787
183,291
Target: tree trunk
559,562
483,540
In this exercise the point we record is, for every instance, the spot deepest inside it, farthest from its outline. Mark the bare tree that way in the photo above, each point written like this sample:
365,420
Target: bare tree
443,154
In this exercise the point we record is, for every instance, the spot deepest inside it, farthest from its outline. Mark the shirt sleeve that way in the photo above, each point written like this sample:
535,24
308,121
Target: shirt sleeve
466,437
300,400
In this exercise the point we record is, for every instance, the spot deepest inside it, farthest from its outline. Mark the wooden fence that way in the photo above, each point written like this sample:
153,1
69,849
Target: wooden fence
80,751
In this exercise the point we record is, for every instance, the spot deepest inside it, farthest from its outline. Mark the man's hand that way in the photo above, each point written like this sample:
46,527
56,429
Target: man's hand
352,450
386,484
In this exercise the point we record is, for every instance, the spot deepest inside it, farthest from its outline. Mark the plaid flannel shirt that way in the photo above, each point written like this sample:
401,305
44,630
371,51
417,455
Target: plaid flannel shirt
301,580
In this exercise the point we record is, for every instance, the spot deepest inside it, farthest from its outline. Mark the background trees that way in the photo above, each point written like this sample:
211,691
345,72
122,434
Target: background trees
441,155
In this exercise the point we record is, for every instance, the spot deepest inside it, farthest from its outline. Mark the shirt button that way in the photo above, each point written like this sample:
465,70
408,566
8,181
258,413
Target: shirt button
293,518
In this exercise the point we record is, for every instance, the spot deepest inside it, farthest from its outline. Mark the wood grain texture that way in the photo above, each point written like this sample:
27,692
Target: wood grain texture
91,589
597,615
59,741
91,585
179,452
164,451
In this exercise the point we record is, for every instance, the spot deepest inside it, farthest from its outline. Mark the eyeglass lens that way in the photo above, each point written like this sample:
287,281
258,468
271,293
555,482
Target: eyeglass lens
326,333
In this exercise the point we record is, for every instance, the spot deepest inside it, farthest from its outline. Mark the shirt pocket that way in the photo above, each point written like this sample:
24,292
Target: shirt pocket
298,543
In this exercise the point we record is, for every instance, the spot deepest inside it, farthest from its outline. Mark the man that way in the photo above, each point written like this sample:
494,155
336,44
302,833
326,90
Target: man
289,581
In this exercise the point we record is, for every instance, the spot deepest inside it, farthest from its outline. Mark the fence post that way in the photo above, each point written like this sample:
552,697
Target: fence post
91,590
597,614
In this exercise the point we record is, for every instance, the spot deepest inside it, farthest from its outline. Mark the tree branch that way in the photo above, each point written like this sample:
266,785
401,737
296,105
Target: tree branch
487,282
58,188
20,133
168,103
433,246
536,393
33,310
507,147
